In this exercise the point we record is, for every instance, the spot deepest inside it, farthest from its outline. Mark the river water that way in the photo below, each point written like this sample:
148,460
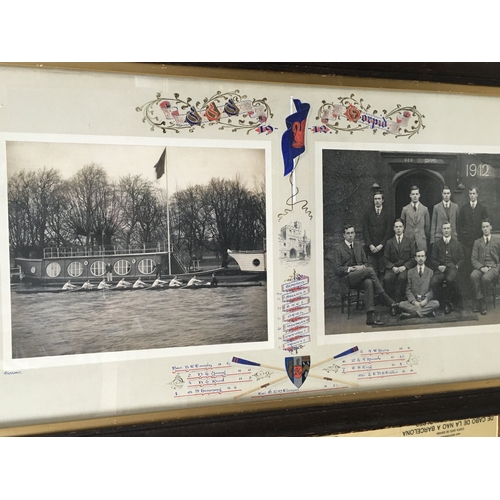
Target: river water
56,324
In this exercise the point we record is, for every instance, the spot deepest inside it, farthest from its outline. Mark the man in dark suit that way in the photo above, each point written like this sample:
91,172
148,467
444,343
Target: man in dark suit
444,211
376,232
399,256
350,265
419,296
417,220
447,257
469,225
485,261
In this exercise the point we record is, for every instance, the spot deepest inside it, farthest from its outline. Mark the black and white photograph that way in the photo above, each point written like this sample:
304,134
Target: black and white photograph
411,240
123,247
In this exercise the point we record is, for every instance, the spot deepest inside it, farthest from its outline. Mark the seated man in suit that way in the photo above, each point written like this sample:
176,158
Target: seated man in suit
399,256
350,266
419,296
447,257
485,261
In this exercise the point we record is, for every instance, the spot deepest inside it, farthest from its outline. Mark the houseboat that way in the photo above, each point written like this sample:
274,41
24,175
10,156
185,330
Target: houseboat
80,264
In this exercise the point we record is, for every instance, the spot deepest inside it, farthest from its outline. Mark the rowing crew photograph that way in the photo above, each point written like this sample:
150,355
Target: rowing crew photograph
421,248
112,246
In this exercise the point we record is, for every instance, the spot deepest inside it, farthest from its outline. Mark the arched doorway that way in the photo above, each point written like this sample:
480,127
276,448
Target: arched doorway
429,182
293,253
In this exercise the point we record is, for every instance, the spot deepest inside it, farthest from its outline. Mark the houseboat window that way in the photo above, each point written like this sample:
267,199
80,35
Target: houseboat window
122,267
53,270
146,266
98,268
75,269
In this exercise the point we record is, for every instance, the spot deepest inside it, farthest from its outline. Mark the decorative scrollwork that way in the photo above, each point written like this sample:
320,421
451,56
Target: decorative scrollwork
228,110
351,115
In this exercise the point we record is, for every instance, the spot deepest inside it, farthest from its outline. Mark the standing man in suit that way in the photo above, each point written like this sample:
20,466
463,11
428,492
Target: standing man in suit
419,296
399,256
376,232
444,211
416,220
350,265
447,257
485,261
469,225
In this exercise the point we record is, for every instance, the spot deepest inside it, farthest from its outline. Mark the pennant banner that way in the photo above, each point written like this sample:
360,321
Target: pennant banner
292,142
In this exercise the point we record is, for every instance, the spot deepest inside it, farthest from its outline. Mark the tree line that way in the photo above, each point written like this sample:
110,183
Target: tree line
91,209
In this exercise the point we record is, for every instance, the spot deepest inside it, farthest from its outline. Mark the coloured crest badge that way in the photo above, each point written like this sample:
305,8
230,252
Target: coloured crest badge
297,369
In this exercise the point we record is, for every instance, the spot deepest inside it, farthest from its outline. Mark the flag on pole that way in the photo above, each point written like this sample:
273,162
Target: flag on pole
292,141
160,166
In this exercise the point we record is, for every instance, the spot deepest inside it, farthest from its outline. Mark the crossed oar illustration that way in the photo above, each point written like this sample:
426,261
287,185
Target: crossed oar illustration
242,361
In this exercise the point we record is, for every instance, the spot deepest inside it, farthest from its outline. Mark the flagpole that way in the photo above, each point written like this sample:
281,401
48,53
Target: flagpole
292,175
168,213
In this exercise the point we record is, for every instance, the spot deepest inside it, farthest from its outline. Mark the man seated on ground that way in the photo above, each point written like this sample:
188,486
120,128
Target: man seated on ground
485,261
103,284
158,283
69,286
194,281
175,282
419,296
447,257
123,284
350,265
87,285
139,284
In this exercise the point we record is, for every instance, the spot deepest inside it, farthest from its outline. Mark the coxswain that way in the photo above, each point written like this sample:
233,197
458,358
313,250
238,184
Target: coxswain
175,282
69,286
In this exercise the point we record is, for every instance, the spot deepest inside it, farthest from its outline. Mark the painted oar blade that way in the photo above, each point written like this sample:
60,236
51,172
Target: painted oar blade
242,361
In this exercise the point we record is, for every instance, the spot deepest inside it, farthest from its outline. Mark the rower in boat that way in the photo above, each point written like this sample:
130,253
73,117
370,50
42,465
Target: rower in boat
158,283
87,285
214,281
139,284
69,286
175,282
103,285
123,284
194,281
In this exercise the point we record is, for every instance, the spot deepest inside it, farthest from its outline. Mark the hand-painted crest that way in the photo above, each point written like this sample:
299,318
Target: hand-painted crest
297,369
228,110
350,115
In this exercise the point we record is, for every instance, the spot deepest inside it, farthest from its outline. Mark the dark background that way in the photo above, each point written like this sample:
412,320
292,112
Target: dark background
322,419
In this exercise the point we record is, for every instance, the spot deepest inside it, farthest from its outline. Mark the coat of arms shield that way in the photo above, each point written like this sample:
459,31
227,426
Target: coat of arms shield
297,369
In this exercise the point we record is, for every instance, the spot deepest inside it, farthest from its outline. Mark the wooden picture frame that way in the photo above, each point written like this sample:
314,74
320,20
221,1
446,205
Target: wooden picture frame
253,119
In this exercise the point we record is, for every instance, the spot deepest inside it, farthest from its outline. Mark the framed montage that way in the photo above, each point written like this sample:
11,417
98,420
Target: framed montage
176,244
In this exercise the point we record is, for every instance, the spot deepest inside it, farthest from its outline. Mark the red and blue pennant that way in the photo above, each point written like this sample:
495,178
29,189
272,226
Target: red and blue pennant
293,140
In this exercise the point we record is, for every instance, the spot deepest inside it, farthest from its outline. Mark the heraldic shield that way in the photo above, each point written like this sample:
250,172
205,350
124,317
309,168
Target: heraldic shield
297,368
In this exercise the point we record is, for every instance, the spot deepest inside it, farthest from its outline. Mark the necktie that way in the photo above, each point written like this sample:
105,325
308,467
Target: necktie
487,240
378,211
447,210
420,271
414,207
353,257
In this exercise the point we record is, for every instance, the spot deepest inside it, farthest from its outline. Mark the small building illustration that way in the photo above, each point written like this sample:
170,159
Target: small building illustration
293,242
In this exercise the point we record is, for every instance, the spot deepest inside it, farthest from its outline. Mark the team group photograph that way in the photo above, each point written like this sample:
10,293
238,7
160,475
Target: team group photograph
419,248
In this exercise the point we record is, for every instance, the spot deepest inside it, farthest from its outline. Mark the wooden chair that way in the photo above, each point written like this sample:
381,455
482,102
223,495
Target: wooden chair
353,296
